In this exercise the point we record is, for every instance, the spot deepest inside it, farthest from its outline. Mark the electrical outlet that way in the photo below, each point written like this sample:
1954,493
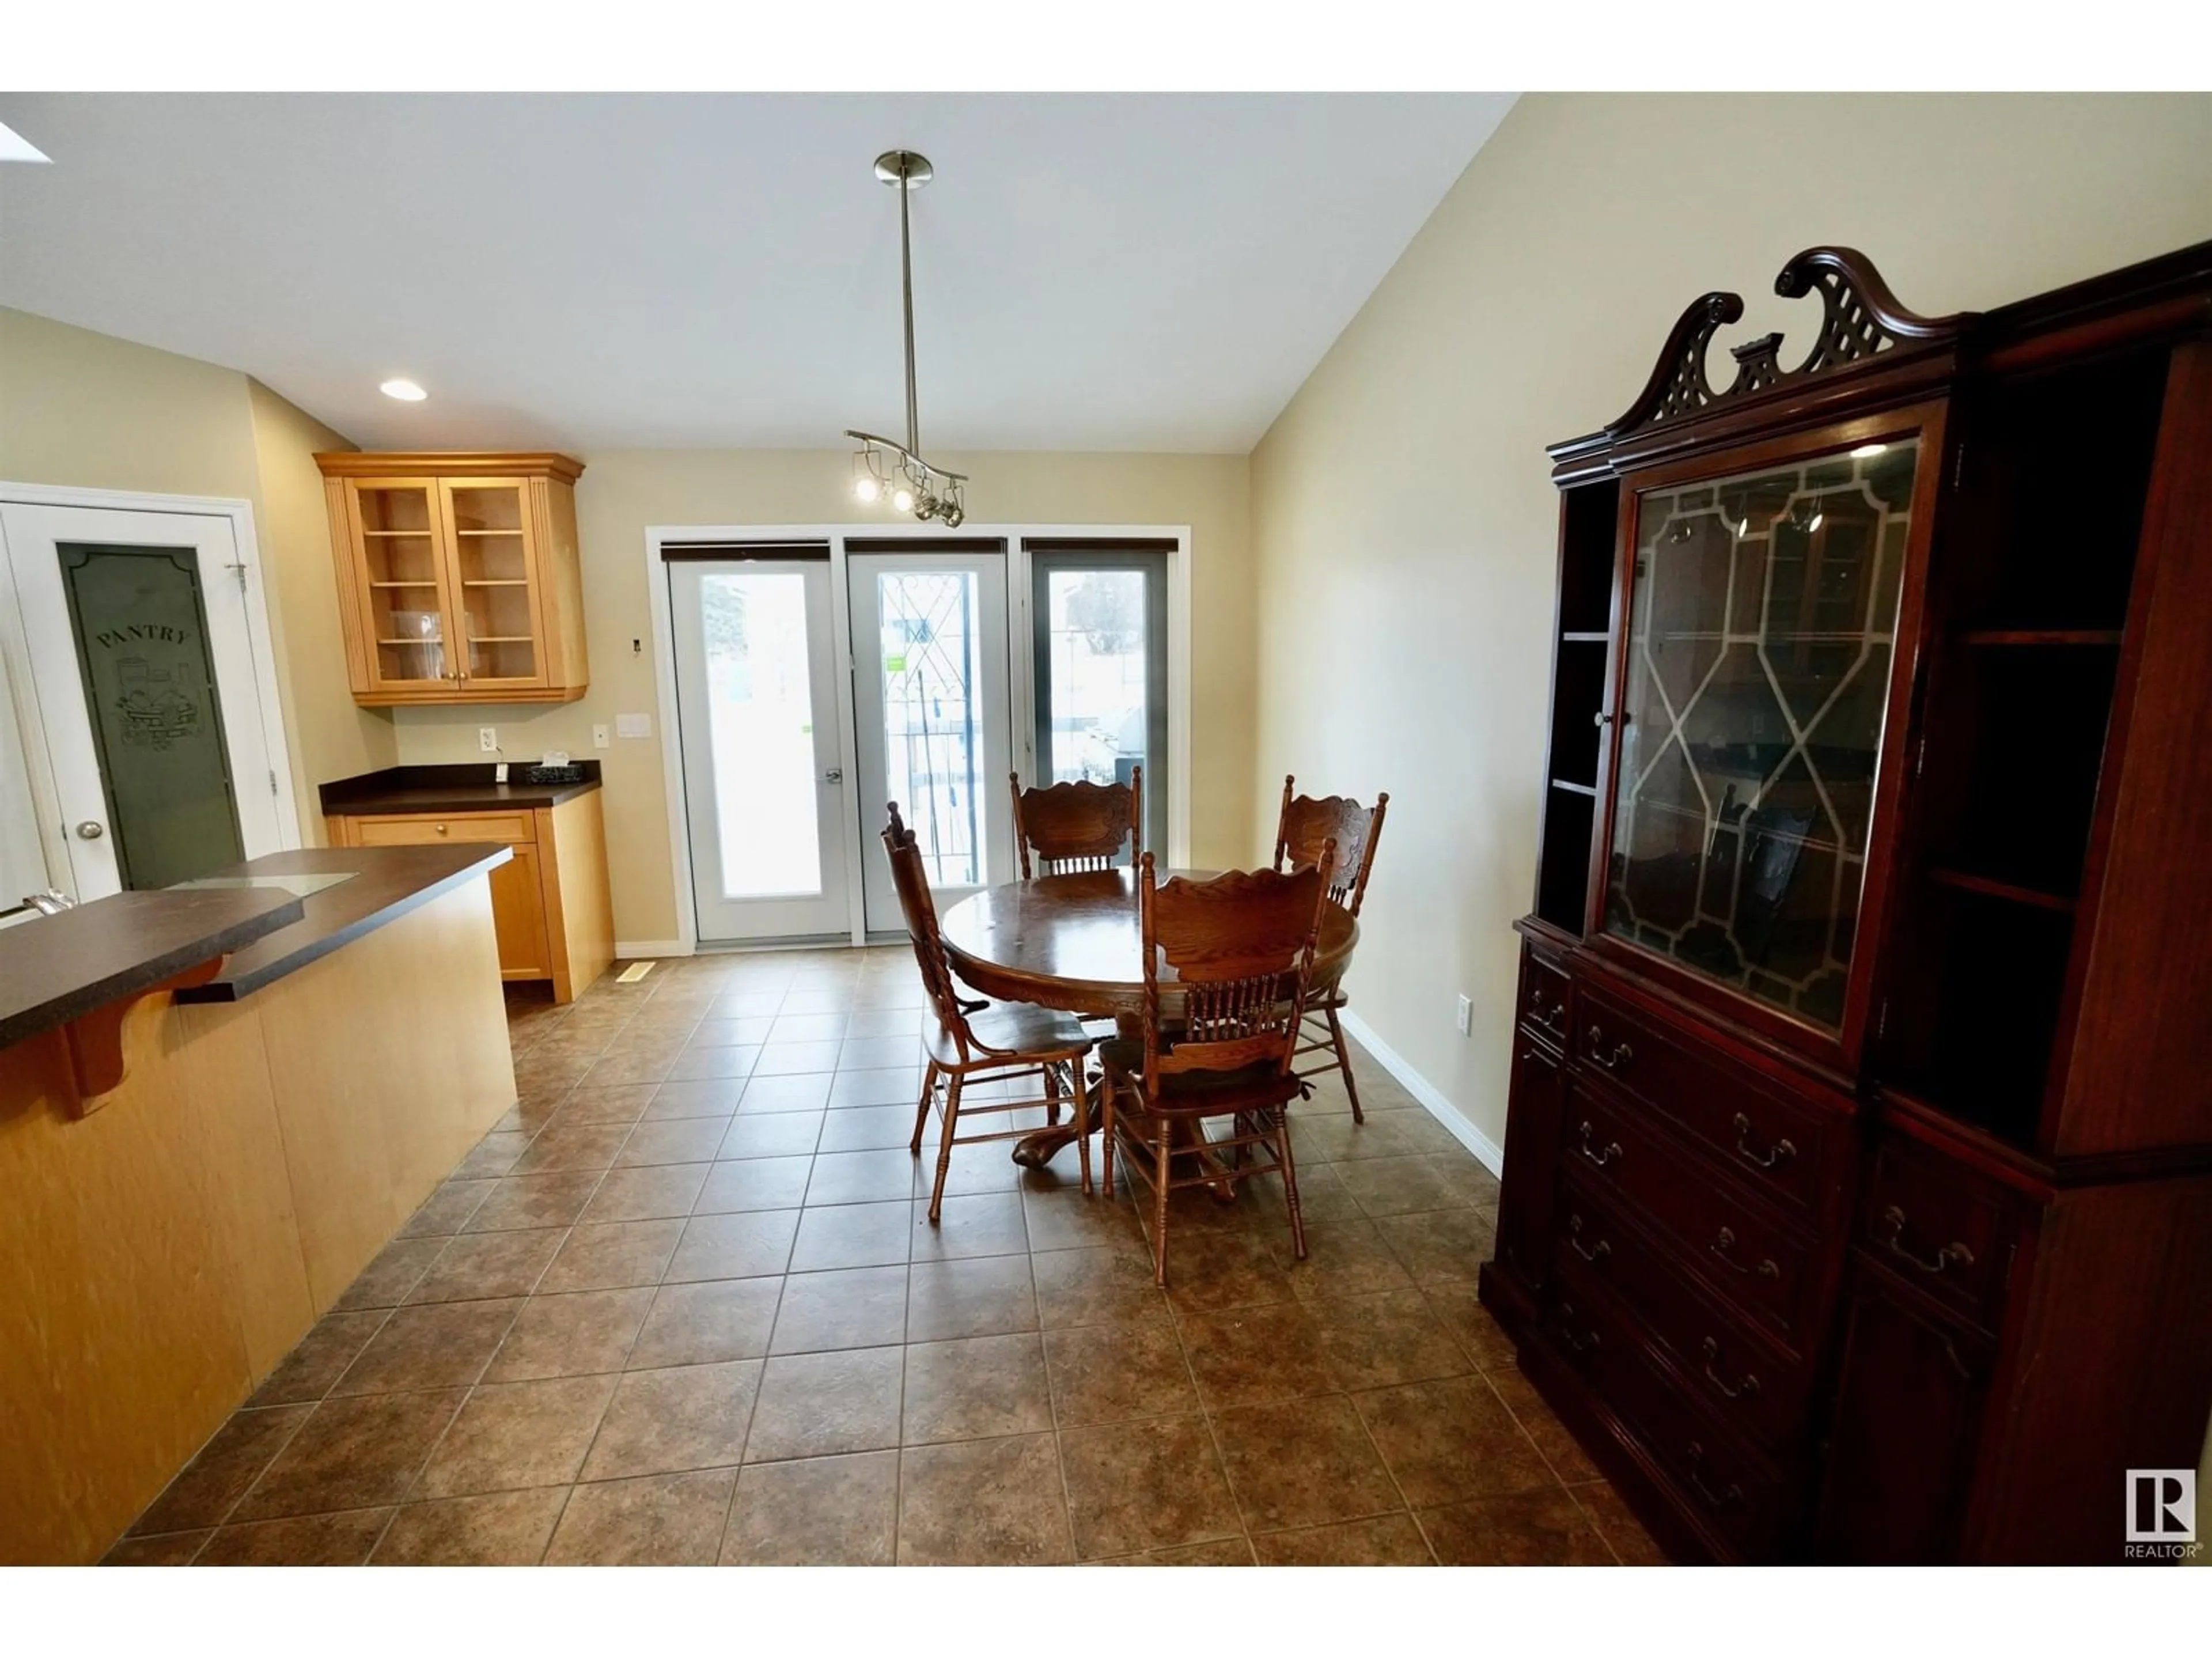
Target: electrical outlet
599,738
1465,1018
487,739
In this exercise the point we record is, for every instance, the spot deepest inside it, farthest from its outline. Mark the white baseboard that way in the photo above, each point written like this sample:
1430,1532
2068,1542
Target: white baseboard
1486,1150
636,950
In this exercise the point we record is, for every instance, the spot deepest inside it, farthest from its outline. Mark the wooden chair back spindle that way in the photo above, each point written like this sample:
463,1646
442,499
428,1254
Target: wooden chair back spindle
1305,823
1078,826
910,877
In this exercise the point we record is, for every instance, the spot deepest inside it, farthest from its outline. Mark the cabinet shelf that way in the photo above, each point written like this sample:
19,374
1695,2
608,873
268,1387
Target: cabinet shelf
1579,638
499,639
1576,789
487,533
420,535
1989,637
417,642
495,582
421,583
1967,882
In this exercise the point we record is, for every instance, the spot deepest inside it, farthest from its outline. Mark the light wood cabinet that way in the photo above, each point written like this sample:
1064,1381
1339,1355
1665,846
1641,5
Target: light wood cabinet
457,576
549,903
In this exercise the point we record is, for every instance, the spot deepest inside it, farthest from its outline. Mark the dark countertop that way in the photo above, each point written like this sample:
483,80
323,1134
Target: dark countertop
446,789
387,881
55,969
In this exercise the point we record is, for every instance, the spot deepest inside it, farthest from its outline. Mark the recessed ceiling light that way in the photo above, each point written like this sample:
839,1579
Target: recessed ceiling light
406,390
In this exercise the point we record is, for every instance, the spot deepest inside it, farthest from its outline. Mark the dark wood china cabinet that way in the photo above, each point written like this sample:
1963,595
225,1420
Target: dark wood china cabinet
1858,1174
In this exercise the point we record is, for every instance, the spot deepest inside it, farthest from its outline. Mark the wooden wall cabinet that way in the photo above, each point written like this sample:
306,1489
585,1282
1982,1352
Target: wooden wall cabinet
1858,1169
550,905
458,576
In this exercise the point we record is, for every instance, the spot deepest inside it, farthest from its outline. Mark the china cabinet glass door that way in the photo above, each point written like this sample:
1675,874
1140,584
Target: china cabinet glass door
495,591
1762,625
402,569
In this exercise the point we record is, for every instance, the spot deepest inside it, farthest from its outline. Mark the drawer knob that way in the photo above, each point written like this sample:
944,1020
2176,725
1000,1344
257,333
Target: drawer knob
1748,1384
1893,1239
1780,1153
440,828
1589,1253
1612,1059
1723,1246
1601,1158
1722,1499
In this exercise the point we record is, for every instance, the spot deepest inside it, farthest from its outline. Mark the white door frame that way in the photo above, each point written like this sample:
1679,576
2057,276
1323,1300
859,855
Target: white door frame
265,702
1022,687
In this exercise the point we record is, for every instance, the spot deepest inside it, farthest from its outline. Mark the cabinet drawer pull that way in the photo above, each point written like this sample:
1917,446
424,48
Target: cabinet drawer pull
440,828
1893,1239
1723,1246
1619,1056
1749,1384
1609,1154
1554,1018
1780,1153
1593,1254
1581,1344
1720,1500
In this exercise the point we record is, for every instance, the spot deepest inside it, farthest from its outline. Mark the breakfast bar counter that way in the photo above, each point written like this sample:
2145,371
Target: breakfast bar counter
218,1103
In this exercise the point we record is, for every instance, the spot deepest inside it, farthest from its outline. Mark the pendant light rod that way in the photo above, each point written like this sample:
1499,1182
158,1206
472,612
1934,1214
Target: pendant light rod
907,185
885,470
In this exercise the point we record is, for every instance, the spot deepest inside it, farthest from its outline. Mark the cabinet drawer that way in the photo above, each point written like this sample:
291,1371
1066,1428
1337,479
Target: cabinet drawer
429,829
1544,999
1939,1227
1762,1266
1782,1145
1729,1489
1744,1379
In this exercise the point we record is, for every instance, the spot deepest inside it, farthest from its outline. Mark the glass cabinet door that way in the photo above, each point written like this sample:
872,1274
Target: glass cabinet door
403,576
1762,623
495,591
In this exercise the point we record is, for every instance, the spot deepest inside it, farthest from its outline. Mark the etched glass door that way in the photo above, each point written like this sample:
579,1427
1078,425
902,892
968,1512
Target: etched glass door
1761,630
931,707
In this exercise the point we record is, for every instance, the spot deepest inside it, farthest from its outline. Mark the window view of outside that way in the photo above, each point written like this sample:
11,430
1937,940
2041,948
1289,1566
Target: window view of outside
760,699
932,745
1095,623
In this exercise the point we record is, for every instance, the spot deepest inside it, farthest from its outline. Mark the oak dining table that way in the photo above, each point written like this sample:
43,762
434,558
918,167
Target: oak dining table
1075,942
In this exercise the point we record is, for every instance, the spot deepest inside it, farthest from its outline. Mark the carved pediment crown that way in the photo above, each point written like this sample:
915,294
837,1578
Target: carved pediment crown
1860,318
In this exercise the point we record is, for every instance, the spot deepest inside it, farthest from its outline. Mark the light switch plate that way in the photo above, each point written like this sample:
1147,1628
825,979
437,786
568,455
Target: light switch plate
633,725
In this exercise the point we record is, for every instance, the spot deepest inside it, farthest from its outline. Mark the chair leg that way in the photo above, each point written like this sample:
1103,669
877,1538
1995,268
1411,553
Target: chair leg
1289,1183
1344,1064
1049,1072
1082,1124
944,1147
1106,1141
921,1112
1160,1162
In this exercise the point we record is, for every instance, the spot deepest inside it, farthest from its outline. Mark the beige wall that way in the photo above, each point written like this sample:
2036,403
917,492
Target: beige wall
1403,522
621,492
94,412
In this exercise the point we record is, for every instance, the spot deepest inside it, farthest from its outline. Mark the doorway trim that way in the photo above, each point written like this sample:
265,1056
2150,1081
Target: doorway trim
266,701
1022,686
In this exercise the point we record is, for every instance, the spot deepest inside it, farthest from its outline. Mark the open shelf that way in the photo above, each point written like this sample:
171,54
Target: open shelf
1589,789
1989,638
1563,872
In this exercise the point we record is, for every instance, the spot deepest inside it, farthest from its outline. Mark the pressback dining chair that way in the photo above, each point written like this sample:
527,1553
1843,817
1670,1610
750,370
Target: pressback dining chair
1078,826
973,1041
1242,946
1304,827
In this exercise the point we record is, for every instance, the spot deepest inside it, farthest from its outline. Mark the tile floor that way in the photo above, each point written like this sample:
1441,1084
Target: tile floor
684,1305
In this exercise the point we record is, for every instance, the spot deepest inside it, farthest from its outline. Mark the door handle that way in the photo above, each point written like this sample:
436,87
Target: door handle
835,774
90,829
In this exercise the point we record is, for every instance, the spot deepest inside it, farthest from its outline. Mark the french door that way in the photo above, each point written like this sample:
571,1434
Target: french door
765,792
139,695
933,710
1099,619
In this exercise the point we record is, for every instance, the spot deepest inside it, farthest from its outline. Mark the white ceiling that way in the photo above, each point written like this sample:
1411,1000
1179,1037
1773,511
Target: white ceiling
1140,272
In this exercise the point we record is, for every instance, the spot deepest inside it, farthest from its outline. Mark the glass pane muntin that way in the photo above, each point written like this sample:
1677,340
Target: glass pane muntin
1761,633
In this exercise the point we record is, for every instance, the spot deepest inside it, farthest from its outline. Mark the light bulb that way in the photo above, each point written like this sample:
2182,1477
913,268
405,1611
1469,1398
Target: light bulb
406,390
1865,450
903,500
867,488
1815,525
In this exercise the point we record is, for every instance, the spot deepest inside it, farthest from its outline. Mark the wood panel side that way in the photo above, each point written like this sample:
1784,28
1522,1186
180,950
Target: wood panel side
140,1296
577,881
390,1060
2135,1074
563,569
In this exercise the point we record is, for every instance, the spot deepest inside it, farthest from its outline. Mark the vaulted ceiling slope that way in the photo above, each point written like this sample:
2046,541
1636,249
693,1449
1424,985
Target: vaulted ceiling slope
1138,272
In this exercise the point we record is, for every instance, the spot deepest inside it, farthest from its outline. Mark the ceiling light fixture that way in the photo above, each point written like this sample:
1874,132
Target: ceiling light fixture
882,467
406,390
